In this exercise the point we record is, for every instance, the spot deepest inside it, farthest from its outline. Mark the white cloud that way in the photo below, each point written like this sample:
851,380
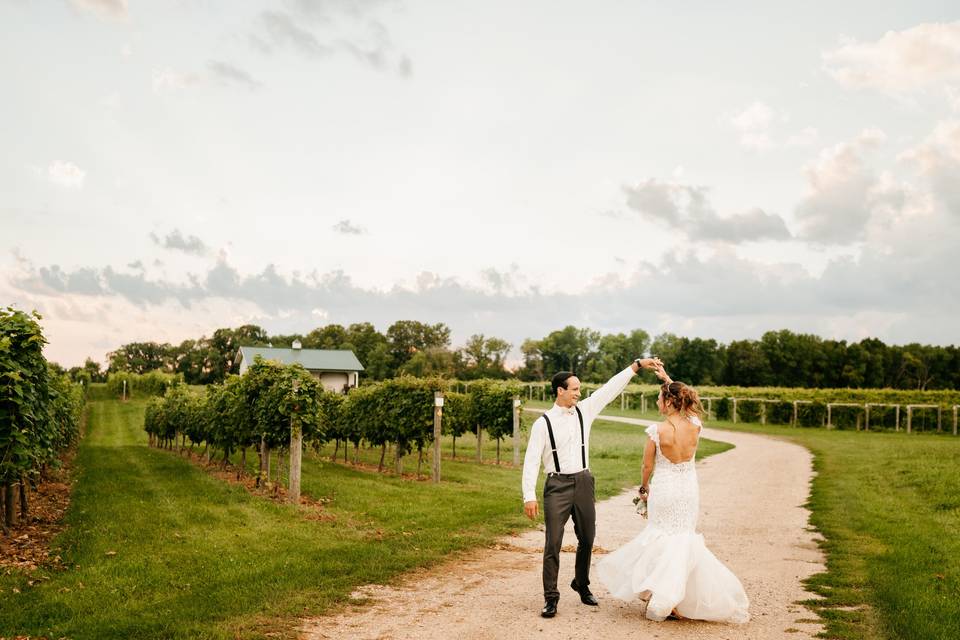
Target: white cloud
228,74
753,123
900,61
842,192
687,208
66,174
938,160
115,9
111,102
348,228
169,80
804,138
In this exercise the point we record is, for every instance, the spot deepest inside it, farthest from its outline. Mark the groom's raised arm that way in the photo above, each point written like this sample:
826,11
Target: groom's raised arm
600,398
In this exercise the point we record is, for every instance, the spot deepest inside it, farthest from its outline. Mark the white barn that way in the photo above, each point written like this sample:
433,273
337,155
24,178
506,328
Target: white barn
334,368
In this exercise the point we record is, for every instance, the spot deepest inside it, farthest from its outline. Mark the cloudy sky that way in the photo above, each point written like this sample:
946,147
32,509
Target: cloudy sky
710,169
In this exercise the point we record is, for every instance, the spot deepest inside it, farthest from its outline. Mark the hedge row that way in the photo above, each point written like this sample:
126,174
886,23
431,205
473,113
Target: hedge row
258,409
153,383
40,410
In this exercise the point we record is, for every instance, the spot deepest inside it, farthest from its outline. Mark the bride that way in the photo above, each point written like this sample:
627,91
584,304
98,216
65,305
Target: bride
668,564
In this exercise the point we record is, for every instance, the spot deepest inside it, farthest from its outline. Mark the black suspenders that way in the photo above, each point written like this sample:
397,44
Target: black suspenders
553,442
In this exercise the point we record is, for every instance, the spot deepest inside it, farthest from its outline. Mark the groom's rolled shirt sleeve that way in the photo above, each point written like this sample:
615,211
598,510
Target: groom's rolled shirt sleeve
532,459
600,398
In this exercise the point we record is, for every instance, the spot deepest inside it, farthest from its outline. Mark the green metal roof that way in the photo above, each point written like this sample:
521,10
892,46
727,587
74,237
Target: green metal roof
316,359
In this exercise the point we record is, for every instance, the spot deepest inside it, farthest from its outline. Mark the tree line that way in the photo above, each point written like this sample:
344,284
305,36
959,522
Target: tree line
779,358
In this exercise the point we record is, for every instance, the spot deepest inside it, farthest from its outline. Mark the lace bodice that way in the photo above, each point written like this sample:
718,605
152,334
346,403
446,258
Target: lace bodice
674,492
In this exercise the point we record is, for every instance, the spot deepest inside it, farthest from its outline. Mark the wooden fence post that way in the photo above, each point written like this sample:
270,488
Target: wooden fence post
829,415
516,430
437,429
479,450
897,418
866,416
296,452
734,410
955,419
909,417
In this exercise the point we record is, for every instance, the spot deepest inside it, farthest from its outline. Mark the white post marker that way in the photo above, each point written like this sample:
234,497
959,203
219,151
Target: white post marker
124,390
437,424
516,430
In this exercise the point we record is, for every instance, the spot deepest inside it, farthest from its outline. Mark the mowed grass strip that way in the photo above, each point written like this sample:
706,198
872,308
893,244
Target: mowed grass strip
158,548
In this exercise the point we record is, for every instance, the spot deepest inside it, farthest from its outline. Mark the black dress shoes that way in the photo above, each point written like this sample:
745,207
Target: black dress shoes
585,596
549,608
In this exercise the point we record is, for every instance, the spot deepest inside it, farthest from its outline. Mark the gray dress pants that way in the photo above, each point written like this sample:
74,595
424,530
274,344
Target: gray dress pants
566,495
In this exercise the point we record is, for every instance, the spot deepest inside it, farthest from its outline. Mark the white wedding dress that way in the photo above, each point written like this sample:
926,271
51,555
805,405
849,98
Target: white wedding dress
669,562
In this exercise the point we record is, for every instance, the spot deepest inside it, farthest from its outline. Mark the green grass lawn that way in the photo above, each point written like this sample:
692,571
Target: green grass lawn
889,507
157,548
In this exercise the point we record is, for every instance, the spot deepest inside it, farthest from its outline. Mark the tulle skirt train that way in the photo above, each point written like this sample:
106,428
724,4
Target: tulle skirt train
675,571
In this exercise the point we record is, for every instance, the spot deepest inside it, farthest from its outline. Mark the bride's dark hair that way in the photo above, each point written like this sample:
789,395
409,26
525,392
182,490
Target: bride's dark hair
683,398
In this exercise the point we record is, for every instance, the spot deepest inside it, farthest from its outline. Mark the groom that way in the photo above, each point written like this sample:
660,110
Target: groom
560,440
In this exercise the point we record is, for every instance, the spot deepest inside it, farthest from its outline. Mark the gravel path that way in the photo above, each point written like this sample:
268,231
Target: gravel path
751,517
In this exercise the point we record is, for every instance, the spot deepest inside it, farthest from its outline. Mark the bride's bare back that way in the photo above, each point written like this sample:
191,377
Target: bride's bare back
678,439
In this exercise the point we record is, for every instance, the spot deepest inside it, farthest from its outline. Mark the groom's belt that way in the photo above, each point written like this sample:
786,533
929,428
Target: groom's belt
551,474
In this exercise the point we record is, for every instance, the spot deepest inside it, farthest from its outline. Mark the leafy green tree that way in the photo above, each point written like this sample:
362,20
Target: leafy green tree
429,362
568,349
371,348
483,357
407,337
532,368
746,365
227,342
332,336
615,351
141,357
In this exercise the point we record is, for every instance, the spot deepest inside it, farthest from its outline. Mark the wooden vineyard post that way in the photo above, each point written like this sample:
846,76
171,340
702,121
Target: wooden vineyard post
866,417
829,415
955,419
124,398
909,417
437,429
643,403
763,413
479,450
623,401
939,419
734,410
793,421
296,451
516,430
897,418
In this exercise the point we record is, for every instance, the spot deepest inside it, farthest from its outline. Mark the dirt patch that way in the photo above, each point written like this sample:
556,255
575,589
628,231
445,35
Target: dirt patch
28,545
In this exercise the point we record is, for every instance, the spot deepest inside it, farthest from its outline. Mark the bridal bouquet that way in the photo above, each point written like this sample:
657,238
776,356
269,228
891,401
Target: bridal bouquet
641,503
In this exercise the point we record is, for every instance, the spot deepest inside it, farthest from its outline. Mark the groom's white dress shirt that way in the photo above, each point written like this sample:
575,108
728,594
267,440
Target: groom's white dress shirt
566,432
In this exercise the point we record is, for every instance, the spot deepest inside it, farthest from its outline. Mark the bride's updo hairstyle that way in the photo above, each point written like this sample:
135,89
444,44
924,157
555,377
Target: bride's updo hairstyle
683,398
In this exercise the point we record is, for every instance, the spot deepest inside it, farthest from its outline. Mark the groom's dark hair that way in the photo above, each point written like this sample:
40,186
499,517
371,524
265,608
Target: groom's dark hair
560,380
